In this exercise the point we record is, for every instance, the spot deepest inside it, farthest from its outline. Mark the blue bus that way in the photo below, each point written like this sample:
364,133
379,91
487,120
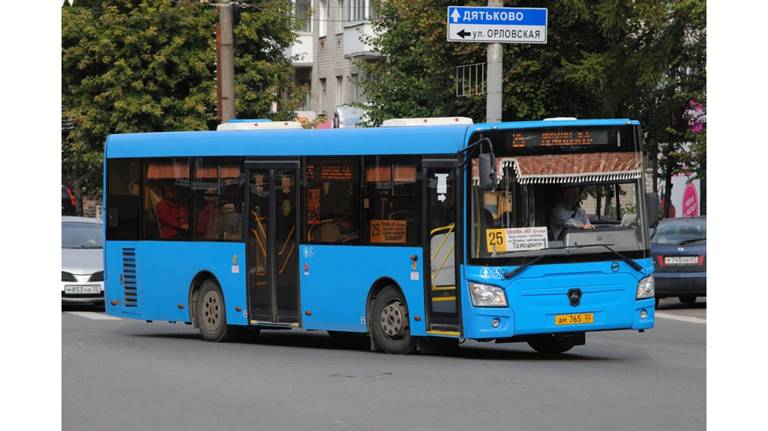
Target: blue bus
419,231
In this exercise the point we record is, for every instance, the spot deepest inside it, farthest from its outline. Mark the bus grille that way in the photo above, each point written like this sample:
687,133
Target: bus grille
129,277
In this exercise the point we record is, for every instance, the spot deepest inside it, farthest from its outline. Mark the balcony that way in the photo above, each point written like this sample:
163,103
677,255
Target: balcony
300,53
354,46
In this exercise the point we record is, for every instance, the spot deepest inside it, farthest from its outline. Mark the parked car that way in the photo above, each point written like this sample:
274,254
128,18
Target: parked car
679,249
82,262
68,202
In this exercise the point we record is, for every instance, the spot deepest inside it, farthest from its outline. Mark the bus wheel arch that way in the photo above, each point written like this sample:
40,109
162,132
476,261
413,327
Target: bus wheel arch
388,318
194,293
373,292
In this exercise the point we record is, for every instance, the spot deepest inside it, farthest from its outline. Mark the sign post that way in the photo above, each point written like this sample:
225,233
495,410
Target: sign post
496,25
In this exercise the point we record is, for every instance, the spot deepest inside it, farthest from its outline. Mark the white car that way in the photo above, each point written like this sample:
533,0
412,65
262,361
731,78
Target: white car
82,261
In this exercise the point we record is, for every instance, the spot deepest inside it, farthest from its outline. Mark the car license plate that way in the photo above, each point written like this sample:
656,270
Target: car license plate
82,289
681,260
574,319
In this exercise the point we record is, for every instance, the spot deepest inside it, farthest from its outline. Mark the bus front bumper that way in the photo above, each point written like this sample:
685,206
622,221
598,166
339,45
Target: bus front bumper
506,323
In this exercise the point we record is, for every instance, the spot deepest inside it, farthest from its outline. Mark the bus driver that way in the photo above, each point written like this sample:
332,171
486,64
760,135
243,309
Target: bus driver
568,213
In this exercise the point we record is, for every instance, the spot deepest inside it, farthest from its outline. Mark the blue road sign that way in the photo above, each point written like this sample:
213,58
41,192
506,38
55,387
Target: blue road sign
497,24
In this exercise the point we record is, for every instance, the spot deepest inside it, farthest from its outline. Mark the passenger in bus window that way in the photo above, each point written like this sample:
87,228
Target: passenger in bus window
568,214
205,224
174,217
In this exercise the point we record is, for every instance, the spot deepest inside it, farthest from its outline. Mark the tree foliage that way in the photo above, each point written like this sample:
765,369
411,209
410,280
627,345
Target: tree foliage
643,59
150,65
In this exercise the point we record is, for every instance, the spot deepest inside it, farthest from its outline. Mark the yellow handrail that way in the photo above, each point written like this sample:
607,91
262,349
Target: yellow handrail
441,228
285,244
287,258
445,238
258,241
442,264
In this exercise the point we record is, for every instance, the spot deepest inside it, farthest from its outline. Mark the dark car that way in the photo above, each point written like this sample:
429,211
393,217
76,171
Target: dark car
68,202
679,249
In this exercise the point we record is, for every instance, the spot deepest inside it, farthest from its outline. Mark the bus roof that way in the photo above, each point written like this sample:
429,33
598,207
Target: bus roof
323,142
481,127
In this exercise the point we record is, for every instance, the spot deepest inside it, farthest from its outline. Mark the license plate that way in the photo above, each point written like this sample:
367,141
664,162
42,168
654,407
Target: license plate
681,260
574,319
82,289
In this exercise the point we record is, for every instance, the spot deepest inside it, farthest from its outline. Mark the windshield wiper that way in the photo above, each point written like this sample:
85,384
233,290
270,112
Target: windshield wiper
688,241
521,268
626,260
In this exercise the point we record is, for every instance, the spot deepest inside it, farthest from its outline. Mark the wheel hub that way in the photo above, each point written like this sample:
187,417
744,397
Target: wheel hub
393,320
211,311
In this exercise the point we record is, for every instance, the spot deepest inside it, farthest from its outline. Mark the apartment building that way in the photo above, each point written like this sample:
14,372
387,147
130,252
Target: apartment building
331,40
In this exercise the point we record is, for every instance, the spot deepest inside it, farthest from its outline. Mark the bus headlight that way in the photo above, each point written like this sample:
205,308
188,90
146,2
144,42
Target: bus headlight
646,288
487,296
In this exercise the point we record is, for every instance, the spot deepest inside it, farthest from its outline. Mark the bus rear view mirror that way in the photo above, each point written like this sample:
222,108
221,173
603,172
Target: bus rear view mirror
652,205
487,171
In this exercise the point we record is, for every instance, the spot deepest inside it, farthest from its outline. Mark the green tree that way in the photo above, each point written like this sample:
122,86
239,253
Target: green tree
149,65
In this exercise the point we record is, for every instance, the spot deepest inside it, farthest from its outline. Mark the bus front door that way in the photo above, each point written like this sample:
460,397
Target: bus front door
442,296
273,284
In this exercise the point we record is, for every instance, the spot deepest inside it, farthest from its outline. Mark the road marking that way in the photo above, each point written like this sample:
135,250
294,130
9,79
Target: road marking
681,318
93,316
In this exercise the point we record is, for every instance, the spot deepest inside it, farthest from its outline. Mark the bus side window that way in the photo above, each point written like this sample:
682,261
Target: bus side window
391,201
332,199
123,199
217,194
166,199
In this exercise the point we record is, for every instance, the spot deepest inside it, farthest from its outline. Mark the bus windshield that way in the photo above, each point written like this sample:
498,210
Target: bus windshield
559,192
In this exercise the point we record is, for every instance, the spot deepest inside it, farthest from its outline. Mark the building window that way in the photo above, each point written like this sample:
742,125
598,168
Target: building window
323,95
340,16
217,199
392,200
307,95
332,200
123,199
166,214
339,90
322,22
357,88
356,10
302,15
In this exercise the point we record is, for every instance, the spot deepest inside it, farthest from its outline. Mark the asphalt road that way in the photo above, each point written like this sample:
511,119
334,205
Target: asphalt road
132,375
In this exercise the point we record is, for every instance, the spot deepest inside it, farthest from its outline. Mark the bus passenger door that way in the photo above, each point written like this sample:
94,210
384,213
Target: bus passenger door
273,284
440,246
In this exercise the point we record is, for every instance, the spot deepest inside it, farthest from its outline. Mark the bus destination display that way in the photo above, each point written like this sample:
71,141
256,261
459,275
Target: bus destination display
564,137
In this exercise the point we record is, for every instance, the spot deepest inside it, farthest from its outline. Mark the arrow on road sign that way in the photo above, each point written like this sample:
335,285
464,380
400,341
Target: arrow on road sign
455,15
463,33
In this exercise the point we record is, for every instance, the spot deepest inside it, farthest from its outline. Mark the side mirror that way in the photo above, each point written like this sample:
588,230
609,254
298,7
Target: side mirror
652,206
487,168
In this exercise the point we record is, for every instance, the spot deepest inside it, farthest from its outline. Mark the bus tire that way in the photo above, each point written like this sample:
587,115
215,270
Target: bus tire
391,325
551,344
211,313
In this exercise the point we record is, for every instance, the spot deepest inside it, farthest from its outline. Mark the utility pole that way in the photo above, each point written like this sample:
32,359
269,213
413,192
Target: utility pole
225,65
494,87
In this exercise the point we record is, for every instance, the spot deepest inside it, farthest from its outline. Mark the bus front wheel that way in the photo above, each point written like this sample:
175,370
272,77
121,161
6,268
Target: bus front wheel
391,328
211,313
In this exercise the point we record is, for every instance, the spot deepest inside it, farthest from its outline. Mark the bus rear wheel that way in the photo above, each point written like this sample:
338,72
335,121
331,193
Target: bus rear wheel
211,313
391,329
551,344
